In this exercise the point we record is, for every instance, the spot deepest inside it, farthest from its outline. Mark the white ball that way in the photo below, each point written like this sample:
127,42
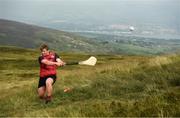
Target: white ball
131,28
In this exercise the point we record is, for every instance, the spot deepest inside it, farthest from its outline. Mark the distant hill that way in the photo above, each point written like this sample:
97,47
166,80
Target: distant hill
31,36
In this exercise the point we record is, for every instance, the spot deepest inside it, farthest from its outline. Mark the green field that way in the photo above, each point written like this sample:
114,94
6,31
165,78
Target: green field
118,85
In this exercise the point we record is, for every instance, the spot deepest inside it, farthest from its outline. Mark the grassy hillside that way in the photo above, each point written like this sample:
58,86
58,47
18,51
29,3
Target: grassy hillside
117,86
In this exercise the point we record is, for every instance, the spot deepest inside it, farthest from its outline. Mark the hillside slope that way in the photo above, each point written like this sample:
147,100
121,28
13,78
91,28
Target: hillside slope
31,36
117,86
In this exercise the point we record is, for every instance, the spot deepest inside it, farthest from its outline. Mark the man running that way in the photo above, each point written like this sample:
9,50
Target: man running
48,61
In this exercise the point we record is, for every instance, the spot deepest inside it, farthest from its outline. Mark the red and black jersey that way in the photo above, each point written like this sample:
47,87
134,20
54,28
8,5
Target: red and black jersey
46,70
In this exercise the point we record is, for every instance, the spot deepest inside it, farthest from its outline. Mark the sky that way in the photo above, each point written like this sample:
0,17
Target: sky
93,12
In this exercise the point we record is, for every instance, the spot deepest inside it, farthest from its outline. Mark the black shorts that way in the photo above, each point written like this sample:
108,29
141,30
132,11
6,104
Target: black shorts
42,80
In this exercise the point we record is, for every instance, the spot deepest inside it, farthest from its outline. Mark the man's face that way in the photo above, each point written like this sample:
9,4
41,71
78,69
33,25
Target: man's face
45,52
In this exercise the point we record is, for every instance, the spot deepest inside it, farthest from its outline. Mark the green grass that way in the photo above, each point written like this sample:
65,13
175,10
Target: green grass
118,85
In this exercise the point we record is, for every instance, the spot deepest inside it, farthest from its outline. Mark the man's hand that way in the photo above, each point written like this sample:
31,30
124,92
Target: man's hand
59,62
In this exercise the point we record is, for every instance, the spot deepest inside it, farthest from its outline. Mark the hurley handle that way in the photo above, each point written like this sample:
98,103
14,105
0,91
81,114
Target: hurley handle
72,63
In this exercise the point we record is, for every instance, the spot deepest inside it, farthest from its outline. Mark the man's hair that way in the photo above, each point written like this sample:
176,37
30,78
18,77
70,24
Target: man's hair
44,46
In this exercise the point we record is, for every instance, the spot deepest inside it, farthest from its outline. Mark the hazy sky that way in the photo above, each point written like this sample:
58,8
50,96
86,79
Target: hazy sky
165,12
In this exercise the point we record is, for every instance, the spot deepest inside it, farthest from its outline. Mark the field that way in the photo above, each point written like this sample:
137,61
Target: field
119,85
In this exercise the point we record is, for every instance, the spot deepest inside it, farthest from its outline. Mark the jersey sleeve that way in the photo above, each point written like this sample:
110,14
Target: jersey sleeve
40,59
56,56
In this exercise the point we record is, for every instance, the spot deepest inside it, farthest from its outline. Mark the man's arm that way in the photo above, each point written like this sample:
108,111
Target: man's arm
45,61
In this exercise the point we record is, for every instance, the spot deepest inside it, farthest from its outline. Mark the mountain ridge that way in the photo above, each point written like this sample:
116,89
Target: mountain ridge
31,36
19,34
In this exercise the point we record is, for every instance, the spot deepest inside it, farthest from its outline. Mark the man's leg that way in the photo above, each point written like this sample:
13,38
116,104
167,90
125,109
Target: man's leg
49,88
41,92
